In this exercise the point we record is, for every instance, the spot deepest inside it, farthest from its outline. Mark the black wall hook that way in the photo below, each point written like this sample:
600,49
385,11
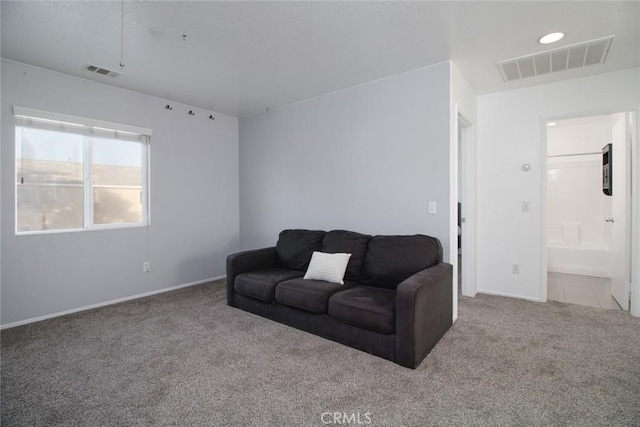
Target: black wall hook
168,107
191,113
211,117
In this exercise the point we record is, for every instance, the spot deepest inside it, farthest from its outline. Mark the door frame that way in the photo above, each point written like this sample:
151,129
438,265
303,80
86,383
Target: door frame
633,223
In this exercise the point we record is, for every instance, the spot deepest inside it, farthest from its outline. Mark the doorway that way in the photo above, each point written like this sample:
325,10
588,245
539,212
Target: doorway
588,210
465,208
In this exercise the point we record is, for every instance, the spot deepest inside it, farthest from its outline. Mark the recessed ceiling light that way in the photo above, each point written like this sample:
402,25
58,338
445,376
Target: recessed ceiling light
550,38
157,32
552,124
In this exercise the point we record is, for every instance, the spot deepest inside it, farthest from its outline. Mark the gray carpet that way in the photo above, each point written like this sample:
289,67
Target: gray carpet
185,358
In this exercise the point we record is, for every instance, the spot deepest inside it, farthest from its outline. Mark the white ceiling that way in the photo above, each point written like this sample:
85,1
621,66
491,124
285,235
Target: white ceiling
242,57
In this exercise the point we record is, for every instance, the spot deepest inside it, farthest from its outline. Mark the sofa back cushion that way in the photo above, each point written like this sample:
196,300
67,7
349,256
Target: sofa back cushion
295,247
391,259
340,241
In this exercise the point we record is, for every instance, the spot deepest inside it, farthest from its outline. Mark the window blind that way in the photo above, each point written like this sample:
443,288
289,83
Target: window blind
39,119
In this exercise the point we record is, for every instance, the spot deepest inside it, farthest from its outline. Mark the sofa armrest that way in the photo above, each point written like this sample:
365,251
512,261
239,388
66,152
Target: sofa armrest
424,312
243,262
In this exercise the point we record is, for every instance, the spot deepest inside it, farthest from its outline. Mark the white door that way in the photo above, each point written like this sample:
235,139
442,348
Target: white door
619,222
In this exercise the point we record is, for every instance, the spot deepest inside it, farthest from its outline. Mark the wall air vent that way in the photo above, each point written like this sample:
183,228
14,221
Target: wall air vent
102,71
561,59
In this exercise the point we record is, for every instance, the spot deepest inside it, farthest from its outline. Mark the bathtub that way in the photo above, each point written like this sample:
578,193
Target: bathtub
580,259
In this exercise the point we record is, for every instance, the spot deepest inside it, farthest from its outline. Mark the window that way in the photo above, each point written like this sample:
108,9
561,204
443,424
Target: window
79,174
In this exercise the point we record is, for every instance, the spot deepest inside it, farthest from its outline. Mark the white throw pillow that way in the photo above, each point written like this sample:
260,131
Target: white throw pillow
327,267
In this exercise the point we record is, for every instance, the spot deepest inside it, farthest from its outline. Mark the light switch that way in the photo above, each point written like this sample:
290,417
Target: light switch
432,208
526,206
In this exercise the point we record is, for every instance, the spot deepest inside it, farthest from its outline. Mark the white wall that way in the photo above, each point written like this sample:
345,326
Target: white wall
194,202
367,159
580,135
463,95
510,133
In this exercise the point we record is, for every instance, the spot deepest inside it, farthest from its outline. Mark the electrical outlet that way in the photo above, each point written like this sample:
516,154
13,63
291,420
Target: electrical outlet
515,269
146,266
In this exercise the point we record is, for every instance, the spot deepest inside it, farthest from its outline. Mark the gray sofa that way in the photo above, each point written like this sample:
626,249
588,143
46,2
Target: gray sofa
395,303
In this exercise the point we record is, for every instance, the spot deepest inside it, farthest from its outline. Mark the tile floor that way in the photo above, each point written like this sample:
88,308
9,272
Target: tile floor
581,290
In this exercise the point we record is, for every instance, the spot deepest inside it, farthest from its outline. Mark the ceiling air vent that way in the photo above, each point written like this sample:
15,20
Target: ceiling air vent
103,71
561,59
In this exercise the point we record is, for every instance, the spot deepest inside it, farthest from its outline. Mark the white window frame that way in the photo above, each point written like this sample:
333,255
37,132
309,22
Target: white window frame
97,128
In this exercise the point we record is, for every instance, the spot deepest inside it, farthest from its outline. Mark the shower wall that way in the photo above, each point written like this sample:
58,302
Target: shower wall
578,237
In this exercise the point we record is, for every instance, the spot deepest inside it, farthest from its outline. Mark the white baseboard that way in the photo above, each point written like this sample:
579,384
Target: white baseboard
111,302
503,294
579,270
471,295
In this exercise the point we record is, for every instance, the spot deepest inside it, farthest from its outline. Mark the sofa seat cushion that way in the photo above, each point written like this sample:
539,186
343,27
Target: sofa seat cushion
261,284
309,295
367,307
